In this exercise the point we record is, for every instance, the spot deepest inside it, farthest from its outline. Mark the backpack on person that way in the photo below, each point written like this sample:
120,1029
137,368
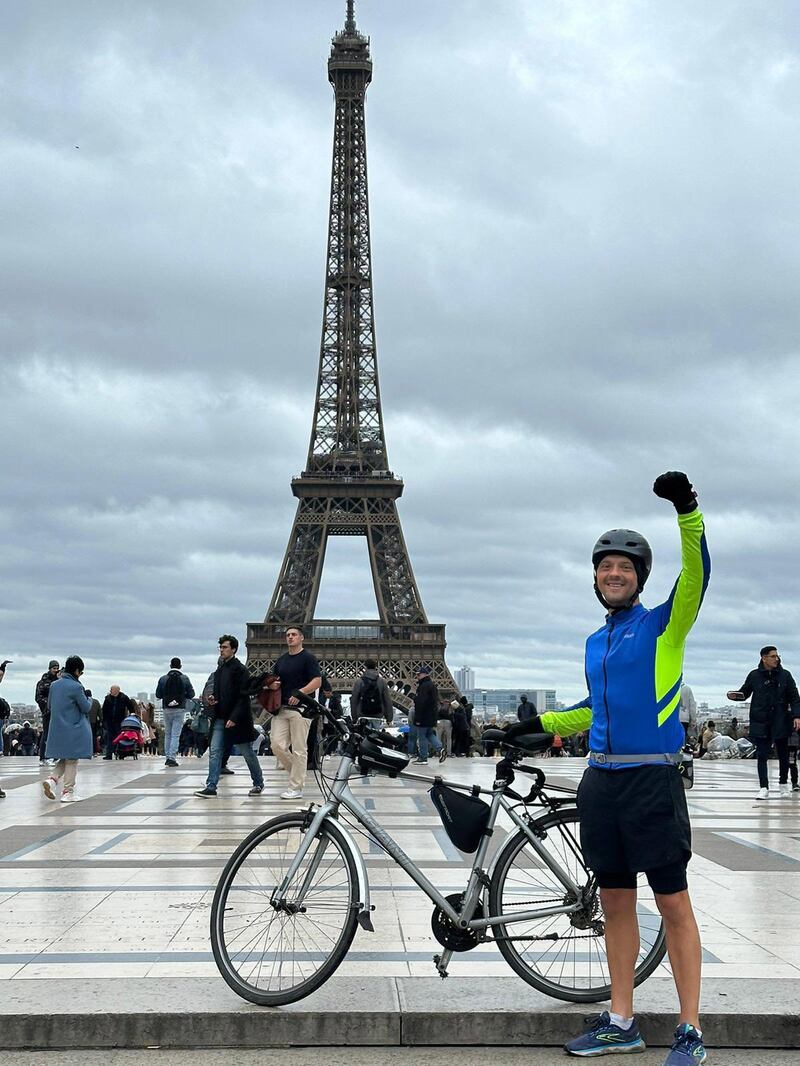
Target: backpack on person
43,691
5,711
174,692
371,703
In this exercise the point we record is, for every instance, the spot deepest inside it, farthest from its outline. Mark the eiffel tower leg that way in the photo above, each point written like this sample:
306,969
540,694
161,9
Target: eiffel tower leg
296,592
395,588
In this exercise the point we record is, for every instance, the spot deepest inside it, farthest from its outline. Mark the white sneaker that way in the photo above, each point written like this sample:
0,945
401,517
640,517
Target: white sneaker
762,794
68,797
292,794
50,785
784,790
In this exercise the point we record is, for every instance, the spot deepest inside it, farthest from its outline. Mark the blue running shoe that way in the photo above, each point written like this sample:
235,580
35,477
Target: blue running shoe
688,1048
604,1038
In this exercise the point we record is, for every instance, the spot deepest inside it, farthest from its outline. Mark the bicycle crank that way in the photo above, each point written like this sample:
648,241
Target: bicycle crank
447,933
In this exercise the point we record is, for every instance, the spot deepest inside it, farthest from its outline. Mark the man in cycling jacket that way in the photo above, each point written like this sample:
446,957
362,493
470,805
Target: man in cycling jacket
631,801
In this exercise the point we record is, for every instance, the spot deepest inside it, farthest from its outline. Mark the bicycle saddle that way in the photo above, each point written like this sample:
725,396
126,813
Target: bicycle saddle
530,742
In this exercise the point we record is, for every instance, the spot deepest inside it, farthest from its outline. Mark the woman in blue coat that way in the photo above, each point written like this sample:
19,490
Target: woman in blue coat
70,734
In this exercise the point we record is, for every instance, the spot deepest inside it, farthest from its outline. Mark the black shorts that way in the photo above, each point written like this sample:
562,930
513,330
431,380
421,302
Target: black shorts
633,821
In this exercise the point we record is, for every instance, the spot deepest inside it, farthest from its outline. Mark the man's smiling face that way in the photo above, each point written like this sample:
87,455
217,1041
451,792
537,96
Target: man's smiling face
617,579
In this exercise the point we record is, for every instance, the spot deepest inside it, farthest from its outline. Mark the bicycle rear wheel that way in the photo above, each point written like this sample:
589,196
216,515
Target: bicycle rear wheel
573,966
269,955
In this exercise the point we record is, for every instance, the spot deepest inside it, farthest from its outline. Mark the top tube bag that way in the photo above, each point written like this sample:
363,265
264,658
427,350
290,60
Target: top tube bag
464,817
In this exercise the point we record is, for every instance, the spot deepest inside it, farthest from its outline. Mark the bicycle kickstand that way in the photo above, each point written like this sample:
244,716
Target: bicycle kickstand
442,961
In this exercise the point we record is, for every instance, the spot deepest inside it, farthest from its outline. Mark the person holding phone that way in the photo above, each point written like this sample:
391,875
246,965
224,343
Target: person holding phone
774,716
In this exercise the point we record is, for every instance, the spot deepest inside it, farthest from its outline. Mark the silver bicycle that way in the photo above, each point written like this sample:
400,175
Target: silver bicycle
293,893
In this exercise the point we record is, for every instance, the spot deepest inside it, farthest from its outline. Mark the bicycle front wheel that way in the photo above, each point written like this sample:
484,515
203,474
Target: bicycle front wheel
272,953
563,955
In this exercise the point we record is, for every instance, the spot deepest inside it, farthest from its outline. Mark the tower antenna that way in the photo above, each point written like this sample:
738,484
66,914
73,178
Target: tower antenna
350,21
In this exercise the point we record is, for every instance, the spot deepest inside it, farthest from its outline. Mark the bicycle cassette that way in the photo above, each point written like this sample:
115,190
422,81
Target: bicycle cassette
447,933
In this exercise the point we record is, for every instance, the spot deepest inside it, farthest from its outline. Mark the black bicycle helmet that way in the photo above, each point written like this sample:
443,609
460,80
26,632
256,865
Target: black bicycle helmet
624,542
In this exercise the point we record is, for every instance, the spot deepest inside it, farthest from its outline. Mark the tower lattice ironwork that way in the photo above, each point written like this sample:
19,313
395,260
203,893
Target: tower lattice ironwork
347,488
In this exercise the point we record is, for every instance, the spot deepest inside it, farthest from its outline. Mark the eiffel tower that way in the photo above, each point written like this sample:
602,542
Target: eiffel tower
347,488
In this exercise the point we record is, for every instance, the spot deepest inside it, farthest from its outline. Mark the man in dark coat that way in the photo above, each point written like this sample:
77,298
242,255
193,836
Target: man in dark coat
116,706
41,694
426,710
774,714
233,718
526,710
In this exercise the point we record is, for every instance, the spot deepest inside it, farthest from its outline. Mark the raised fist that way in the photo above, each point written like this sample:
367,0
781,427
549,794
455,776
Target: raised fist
676,487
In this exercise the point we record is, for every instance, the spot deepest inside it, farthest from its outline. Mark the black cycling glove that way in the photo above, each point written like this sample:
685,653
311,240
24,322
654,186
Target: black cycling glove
676,487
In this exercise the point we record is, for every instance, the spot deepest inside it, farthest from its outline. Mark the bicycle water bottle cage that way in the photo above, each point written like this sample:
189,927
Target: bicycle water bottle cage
464,818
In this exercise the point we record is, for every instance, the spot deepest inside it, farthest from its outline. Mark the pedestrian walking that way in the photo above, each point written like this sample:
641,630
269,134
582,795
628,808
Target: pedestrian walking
116,706
173,689
40,696
27,739
687,711
631,801
461,735
426,709
95,721
370,697
70,735
297,670
232,719
444,725
774,715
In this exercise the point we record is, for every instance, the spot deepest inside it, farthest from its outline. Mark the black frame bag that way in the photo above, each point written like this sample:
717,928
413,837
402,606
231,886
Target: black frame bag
464,817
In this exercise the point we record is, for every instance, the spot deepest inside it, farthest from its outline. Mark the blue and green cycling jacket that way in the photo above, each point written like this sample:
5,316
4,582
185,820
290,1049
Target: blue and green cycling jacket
634,666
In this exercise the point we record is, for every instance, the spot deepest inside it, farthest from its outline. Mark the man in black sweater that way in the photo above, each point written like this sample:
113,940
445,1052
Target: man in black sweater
297,669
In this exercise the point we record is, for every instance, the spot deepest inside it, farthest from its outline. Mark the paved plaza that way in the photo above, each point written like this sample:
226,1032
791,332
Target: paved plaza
117,888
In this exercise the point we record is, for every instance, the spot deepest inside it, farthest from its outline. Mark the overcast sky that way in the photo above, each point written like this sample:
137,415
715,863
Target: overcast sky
586,249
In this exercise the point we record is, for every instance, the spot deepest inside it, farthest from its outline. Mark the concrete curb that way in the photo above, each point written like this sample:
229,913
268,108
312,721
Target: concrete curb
202,1012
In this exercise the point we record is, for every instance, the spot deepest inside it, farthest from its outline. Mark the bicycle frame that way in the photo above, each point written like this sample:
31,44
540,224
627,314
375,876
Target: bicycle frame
341,795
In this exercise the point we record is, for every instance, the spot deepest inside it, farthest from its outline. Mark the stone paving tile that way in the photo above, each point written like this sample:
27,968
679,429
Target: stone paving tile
119,885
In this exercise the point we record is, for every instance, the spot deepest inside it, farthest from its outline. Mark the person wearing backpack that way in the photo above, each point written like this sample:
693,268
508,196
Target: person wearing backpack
370,697
173,689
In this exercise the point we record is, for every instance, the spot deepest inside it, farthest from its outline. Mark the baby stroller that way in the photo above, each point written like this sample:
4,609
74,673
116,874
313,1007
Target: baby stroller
128,742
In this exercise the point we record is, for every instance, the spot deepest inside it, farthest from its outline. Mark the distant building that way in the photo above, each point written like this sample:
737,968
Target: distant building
544,699
465,678
503,702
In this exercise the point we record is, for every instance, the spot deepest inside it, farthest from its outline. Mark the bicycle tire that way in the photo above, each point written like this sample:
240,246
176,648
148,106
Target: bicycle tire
281,951
566,821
